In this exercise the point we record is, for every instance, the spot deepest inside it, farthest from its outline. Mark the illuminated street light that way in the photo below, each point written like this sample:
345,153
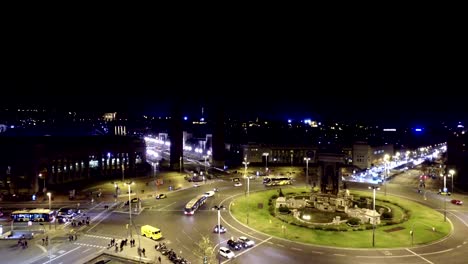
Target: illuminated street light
123,169
307,170
219,208
49,195
374,188
386,157
245,162
44,189
129,206
444,193
452,174
266,154
206,157
180,164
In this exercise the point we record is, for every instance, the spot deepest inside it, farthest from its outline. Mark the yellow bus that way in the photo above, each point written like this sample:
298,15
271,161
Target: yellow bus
277,181
151,232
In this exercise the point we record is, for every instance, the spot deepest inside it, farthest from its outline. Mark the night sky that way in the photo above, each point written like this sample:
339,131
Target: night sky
411,101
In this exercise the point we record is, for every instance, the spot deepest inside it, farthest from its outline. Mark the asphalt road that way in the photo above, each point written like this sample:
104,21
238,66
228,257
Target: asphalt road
182,232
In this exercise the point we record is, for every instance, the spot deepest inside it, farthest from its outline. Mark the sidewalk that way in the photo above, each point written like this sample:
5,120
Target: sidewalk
131,252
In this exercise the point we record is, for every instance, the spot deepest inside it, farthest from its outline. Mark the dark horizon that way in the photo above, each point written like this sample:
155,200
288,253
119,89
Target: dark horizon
392,102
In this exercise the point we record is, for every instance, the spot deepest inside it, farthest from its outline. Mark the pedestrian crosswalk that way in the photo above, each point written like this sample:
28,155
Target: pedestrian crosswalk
90,245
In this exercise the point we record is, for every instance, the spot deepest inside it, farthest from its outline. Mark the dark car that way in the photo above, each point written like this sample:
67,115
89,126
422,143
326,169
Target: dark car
245,242
234,244
161,196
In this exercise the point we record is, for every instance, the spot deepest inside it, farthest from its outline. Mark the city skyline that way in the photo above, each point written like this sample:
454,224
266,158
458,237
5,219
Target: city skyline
411,102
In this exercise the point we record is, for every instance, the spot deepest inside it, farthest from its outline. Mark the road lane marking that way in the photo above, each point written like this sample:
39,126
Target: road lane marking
423,258
53,257
461,220
166,206
90,245
298,249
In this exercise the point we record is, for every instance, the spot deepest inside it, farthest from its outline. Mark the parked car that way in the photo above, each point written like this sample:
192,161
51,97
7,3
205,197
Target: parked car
457,202
237,184
226,252
220,229
234,244
246,242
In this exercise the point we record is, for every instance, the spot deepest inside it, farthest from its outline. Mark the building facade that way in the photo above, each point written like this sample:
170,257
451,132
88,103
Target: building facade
35,164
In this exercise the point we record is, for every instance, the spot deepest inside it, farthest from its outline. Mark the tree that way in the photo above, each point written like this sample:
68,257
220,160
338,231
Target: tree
205,248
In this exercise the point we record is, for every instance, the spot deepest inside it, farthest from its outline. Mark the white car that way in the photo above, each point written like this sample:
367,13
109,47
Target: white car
226,252
246,242
220,229
209,193
237,184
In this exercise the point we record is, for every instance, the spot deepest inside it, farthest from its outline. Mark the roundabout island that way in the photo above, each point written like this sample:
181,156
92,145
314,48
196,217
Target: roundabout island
302,215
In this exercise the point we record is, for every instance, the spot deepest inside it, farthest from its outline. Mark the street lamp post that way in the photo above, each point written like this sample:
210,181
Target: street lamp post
49,195
219,208
129,207
266,154
123,169
374,188
452,174
307,170
205,165
44,189
245,162
444,193
386,157
180,164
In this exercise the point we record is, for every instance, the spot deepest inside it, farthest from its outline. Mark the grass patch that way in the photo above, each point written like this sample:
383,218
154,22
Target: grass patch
420,219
